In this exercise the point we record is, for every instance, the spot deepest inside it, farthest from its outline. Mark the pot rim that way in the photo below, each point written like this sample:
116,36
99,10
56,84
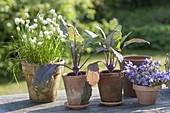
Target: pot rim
145,88
34,64
137,57
65,74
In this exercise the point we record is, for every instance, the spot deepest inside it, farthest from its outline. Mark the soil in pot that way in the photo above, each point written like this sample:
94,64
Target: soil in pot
127,85
49,93
77,89
110,86
147,95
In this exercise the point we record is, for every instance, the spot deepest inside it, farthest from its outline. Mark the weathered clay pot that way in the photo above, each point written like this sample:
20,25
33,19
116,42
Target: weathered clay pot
50,92
127,85
110,86
147,95
74,87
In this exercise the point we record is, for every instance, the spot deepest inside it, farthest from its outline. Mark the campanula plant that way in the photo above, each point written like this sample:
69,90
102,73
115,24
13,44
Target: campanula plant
147,74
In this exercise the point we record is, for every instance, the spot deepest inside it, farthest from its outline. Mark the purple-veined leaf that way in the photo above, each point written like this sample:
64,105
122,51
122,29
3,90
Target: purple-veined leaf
43,76
90,33
73,33
109,40
104,35
135,40
93,66
124,37
100,49
117,55
63,25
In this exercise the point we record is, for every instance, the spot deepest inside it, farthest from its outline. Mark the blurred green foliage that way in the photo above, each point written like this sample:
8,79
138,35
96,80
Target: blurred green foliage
148,19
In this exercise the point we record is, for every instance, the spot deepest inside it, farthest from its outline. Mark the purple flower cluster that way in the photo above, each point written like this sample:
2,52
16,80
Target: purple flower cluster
147,74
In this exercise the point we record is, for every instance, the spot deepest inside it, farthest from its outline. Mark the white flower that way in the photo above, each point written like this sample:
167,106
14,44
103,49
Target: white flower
50,32
56,25
49,20
52,11
54,19
17,21
35,25
48,37
18,28
55,15
27,15
45,22
40,43
41,18
60,17
63,39
53,29
27,21
26,25
46,32
31,27
22,21
35,20
34,40
41,35
24,36
44,27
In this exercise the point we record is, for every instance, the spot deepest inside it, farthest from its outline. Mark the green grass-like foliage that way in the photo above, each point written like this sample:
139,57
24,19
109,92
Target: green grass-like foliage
40,39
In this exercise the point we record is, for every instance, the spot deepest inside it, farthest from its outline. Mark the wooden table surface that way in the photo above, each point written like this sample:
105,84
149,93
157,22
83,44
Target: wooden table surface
20,103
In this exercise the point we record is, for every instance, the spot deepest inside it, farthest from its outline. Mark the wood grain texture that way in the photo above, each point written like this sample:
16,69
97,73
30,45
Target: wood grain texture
20,103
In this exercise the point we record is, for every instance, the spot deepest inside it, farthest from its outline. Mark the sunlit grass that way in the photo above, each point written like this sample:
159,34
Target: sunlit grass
14,88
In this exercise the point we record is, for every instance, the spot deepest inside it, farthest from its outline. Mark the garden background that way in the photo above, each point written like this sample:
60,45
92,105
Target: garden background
147,19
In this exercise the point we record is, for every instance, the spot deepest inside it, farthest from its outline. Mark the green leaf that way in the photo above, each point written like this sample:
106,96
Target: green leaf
73,33
104,35
93,35
86,94
117,55
43,76
135,40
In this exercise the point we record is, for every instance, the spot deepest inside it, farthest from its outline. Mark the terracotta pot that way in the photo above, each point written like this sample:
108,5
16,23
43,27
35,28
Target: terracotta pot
74,87
127,85
50,92
110,86
147,95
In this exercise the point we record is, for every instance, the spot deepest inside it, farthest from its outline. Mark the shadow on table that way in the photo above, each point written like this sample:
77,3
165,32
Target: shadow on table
12,106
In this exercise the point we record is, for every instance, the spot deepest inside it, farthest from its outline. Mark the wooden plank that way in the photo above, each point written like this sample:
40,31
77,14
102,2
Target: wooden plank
20,103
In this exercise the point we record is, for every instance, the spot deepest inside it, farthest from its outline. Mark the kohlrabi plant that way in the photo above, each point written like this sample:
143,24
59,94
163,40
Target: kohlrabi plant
112,45
75,46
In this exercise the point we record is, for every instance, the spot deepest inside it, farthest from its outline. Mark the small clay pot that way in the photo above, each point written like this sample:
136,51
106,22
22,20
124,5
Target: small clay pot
147,95
74,87
110,86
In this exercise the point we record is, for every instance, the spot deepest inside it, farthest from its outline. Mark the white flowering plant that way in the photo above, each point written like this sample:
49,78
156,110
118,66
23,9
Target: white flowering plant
40,39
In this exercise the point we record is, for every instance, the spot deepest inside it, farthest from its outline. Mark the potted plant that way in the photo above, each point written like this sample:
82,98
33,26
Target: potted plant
110,83
136,60
39,48
147,80
78,83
